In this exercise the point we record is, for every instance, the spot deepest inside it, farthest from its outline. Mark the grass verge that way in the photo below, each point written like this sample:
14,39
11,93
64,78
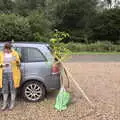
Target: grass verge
95,53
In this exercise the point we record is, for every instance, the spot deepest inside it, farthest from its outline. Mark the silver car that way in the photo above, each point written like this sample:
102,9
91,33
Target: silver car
39,73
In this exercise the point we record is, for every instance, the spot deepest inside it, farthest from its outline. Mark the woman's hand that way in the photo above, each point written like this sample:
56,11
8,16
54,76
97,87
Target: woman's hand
6,65
18,63
1,65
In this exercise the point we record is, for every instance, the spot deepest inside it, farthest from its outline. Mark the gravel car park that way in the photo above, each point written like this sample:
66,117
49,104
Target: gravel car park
99,80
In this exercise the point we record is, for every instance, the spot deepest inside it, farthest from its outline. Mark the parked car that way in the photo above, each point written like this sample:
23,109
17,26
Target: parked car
39,73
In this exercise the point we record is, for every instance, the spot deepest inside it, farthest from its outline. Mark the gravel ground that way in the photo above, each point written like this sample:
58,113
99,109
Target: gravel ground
101,83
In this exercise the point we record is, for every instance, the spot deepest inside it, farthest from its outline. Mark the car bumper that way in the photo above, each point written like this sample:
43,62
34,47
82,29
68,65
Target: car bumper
52,82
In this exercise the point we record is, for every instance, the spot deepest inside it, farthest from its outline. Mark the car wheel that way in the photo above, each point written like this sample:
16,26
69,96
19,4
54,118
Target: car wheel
33,91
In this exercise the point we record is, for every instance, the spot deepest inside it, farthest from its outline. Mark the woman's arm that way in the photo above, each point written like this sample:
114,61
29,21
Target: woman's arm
17,59
1,60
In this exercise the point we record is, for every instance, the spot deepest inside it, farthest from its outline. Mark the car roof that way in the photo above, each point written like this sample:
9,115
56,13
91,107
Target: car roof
28,44
44,47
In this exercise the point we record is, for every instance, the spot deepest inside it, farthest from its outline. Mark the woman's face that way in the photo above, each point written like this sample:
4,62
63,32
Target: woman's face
7,50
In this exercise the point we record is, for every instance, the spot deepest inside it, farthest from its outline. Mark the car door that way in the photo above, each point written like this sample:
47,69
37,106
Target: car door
22,65
35,64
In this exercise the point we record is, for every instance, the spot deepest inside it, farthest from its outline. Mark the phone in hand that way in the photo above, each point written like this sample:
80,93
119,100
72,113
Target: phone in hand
7,65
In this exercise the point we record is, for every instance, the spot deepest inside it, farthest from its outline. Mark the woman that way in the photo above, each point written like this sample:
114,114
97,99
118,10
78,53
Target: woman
9,74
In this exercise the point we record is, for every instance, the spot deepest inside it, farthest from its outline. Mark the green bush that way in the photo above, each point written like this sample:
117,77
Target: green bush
40,26
35,27
94,47
14,27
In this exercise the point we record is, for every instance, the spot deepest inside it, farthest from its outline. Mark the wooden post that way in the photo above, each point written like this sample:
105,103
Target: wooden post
70,77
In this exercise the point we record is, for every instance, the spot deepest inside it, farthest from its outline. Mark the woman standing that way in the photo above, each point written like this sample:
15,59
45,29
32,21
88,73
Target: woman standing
10,74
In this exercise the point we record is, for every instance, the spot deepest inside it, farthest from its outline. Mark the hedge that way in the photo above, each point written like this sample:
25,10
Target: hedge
94,47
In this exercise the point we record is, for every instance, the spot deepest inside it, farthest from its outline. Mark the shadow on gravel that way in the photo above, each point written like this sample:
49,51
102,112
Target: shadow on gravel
50,95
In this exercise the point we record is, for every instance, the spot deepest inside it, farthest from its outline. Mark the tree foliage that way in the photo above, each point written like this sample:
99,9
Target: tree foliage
32,28
107,26
14,27
6,6
77,18
59,50
85,20
40,26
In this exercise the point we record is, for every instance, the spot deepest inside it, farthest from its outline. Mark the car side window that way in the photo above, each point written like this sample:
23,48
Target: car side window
33,55
19,51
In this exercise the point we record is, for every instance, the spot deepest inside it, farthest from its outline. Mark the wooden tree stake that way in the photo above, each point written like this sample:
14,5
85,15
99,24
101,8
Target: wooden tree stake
70,77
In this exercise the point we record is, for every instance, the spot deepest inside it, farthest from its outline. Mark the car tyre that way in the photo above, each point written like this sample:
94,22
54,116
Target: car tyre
33,91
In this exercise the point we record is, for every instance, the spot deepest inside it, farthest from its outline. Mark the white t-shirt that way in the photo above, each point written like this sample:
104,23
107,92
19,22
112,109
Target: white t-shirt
8,58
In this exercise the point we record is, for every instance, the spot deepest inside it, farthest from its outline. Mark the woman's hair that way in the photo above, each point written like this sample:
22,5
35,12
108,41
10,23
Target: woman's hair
7,46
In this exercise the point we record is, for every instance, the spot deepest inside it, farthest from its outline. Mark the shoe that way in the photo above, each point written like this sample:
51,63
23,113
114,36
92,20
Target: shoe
4,106
12,104
5,96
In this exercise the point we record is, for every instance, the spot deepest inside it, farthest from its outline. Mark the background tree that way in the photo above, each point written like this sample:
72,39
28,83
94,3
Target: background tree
112,3
77,17
40,26
109,3
6,6
107,26
14,27
82,19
